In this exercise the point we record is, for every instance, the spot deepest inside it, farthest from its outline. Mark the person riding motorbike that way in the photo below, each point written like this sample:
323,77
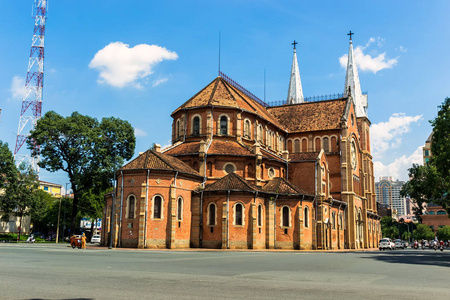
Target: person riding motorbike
441,245
423,244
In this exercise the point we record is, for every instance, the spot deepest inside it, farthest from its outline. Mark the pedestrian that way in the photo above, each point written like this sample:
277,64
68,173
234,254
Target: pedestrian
83,241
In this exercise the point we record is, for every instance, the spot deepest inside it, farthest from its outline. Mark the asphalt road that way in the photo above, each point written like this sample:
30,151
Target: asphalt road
49,271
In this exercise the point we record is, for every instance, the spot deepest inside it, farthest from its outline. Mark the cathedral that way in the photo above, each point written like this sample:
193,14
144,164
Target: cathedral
243,174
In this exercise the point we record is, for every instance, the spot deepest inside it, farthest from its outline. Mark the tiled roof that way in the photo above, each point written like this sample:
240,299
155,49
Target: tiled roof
303,156
184,148
279,185
232,182
220,93
159,161
217,147
310,116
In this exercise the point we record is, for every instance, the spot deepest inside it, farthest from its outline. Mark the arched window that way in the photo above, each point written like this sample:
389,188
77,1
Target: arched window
326,145
431,213
304,145
239,214
297,146
212,214
223,125
306,217
289,146
334,146
180,209
259,134
196,126
260,215
441,212
285,216
157,207
247,129
250,171
317,144
340,221
178,129
131,206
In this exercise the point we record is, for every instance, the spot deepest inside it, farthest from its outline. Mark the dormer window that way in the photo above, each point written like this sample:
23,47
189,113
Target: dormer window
196,126
223,125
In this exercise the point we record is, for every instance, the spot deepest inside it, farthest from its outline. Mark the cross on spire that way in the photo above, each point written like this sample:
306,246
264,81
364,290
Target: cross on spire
294,43
350,34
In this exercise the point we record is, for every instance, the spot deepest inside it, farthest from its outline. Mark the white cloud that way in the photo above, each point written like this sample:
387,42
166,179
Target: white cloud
367,62
398,169
159,81
387,135
402,49
120,65
139,132
18,88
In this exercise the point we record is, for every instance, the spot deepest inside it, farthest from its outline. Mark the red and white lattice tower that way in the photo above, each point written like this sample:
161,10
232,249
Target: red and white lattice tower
34,83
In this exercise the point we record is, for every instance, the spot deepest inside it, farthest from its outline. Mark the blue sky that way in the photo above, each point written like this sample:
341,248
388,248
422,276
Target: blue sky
92,64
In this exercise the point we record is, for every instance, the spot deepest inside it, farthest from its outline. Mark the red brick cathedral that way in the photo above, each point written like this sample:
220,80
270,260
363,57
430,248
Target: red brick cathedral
241,174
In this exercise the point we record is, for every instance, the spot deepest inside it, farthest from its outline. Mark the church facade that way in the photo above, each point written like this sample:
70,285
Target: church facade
241,174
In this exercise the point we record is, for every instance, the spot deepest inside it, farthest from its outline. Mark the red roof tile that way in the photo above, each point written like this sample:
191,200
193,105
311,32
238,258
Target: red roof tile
231,182
281,186
159,161
310,116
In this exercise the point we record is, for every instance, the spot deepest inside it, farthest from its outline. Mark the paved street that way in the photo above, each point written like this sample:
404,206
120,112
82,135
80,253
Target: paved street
49,271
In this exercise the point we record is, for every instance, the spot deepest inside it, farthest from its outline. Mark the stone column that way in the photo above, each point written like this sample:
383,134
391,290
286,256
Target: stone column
258,163
224,226
254,225
172,217
300,228
270,224
142,224
195,221
238,127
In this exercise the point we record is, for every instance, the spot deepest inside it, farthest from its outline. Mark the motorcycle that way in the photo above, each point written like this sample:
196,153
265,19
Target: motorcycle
31,239
441,248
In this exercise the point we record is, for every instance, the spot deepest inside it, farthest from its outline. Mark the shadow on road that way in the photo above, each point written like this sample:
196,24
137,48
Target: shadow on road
417,258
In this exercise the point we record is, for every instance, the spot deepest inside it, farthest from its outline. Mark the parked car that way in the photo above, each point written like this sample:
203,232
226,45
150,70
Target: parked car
95,239
399,244
386,243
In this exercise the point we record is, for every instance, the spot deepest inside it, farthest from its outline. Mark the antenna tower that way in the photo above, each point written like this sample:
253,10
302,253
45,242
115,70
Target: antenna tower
34,83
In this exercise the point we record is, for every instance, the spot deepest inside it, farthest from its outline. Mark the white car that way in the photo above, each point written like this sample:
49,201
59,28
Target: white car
95,239
386,243
399,244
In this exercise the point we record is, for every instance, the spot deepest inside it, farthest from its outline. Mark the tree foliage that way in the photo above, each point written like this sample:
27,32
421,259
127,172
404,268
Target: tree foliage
423,232
431,183
87,150
8,170
19,196
443,233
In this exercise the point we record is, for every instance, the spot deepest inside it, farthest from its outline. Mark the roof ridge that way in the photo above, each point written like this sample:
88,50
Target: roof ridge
217,80
235,89
157,154
187,101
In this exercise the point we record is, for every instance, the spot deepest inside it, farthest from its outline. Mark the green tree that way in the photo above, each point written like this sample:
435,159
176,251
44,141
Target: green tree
406,235
19,197
389,227
8,169
88,151
440,148
423,232
431,183
42,212
443,233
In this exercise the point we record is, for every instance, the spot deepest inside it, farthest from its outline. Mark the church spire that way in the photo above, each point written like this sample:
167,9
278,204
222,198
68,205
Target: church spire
295,92
352,83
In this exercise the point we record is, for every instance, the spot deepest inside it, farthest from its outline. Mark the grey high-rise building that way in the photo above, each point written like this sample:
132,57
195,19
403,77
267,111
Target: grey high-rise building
388,192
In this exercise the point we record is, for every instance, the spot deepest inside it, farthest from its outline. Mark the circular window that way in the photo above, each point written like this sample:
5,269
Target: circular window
229,168
271,173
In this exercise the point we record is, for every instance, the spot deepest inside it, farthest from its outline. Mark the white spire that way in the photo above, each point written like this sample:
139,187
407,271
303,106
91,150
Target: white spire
352,81
295,92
